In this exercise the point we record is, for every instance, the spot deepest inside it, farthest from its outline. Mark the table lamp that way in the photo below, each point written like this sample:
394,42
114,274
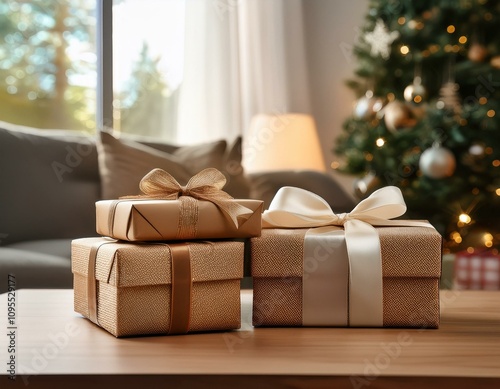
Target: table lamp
282,142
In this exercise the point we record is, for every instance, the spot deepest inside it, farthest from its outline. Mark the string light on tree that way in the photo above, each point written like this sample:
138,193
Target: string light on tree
457,238
464,218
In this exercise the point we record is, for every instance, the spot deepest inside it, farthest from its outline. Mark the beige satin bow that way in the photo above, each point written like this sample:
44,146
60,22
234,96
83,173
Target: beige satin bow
298,208
206,185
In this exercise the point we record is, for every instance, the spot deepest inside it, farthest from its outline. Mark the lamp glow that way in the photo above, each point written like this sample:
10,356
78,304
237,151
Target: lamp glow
282,142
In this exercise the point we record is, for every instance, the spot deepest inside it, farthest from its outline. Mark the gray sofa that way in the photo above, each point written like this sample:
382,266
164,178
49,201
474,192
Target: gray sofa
49,183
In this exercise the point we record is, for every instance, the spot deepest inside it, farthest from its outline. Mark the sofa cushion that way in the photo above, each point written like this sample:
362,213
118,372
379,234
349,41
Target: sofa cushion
34,270
56,247
123,163
49,182
266,184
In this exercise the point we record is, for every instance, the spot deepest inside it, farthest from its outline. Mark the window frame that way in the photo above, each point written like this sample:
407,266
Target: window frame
104,47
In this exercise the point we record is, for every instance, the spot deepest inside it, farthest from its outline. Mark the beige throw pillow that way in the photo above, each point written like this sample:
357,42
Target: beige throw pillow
123,163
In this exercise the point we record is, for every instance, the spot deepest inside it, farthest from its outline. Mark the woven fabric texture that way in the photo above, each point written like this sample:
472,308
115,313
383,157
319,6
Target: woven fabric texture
411,266
136,308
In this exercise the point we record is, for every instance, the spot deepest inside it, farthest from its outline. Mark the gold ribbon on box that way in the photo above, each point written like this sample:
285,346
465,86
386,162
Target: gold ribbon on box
181,292
352,276
206,185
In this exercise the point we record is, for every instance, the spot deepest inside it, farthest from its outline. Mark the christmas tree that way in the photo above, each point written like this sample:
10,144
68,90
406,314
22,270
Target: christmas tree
427,117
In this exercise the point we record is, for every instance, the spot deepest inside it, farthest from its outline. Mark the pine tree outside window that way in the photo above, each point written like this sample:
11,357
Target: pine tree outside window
63,66
48,63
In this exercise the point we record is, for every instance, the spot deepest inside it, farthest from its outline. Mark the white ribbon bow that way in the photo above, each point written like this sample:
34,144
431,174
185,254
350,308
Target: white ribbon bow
299,208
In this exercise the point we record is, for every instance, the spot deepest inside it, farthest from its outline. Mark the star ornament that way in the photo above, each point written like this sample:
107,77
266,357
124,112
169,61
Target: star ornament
380,39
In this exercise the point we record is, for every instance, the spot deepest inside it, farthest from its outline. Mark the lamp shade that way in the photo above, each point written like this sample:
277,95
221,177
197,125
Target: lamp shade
282,142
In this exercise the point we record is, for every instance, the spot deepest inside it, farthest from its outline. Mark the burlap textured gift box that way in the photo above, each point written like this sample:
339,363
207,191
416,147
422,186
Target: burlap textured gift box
138,289
305,276
169,211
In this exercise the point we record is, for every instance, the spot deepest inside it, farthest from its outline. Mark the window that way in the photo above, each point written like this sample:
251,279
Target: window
148,63
48,63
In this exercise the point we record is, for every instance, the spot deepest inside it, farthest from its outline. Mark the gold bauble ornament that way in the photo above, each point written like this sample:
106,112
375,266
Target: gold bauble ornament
398,115
415,92
495,62
477,52
437,162
367,106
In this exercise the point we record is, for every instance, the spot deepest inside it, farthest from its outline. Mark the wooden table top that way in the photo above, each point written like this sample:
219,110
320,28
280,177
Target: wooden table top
52,340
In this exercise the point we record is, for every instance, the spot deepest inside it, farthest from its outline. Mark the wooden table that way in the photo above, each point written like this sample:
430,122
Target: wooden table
56,346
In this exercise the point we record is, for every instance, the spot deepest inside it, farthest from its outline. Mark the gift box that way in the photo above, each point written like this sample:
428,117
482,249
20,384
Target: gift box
153,220
141,289
477,270
168,211
359,269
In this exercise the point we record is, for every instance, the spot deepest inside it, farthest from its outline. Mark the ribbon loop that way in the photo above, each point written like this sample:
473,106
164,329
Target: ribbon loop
206,185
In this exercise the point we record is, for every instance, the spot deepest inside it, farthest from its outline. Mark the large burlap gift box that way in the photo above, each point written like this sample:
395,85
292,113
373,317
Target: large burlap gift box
411,268
139,289
170,211
359,269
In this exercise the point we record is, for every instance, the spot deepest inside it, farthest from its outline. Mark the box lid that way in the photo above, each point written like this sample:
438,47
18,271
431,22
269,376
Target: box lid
406,252
131,264
153,220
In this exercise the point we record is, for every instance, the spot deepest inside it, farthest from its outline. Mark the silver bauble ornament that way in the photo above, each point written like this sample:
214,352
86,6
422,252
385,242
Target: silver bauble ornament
477,150
367,106
437,162
398,115
363,187
475,157
415,92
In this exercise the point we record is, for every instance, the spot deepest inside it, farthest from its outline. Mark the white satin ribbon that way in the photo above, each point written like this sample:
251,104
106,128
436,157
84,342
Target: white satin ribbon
299,208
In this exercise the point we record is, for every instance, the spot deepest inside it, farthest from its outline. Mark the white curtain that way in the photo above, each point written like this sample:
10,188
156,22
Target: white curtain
242,57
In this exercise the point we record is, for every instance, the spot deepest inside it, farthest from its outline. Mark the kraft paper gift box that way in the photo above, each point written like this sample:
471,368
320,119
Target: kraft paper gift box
311,267
141,289
169,211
